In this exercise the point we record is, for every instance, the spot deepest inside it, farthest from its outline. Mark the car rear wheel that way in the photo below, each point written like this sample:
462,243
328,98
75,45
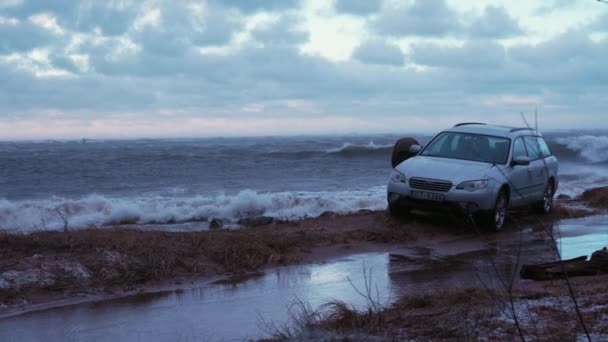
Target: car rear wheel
546,205
495,219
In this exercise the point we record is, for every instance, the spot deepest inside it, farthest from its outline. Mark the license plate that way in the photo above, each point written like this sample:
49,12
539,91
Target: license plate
427,196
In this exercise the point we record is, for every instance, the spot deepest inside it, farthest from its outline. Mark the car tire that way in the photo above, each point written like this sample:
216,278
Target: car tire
401,150
545,206
494,220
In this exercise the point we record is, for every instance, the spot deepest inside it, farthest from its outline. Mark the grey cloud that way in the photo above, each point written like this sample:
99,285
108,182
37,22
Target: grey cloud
550,6
250,6
495,22
601,23
282,32
570,47
379,52
181,29
571,61
111,20
61,8
83,16
63,62
422,18
472,55
23,36
358,7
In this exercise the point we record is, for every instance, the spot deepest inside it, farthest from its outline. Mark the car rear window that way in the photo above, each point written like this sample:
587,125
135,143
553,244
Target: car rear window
544,148
534,149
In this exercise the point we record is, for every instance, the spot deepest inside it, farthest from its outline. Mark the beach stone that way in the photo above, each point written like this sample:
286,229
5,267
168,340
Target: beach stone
256,221
216,224
563,197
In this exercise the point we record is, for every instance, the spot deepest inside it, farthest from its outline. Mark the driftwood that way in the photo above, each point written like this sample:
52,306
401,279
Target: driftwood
571,267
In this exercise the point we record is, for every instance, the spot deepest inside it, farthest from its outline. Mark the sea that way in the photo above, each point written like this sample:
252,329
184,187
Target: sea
183,183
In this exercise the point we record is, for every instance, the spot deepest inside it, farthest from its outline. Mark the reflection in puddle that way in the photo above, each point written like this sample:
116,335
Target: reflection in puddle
594,236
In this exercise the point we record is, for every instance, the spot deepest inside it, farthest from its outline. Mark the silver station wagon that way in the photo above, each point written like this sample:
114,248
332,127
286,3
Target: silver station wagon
476,169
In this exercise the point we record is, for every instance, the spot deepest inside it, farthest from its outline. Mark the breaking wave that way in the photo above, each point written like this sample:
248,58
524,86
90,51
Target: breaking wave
97,211
348,148
590,148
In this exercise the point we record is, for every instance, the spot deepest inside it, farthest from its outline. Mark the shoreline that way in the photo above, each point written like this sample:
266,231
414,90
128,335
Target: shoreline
67,268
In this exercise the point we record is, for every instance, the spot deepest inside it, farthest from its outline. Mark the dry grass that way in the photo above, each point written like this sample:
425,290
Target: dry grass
597,197
458,315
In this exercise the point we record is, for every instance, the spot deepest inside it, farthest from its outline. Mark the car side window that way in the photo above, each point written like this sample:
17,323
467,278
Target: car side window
519,148
544,148
533,147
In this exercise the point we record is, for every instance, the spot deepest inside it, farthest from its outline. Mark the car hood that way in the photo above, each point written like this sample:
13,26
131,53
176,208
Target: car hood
453,170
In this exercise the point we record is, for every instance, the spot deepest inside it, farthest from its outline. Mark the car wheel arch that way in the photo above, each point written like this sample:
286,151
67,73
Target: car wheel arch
552,182
507,189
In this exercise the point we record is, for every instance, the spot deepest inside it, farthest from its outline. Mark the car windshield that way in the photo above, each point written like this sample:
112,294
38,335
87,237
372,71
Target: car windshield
475,147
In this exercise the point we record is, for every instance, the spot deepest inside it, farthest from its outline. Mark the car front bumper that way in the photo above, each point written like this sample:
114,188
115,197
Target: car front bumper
453,200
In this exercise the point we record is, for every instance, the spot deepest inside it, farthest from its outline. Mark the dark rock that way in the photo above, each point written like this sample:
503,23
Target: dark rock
552,270
364,211
600,258
563,197
256,221
216,224
327,214
598,264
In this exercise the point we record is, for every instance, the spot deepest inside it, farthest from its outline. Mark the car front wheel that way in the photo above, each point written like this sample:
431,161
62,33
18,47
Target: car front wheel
495,219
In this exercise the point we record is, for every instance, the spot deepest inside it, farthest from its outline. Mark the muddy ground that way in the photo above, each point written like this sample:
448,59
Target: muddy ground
53,268
529,312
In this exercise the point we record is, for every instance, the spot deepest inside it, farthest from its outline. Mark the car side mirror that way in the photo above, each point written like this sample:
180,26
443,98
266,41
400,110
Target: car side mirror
521,160
415,149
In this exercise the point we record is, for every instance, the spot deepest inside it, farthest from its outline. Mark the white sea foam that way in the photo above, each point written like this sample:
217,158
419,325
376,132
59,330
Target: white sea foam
98,211
590,147
348,147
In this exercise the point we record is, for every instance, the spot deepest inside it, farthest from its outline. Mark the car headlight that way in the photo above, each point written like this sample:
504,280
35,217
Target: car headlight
398,177
473,185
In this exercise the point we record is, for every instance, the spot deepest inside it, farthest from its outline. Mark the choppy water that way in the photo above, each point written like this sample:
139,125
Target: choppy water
98,183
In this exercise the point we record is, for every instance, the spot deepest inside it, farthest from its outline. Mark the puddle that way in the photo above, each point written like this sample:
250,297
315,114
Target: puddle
582,236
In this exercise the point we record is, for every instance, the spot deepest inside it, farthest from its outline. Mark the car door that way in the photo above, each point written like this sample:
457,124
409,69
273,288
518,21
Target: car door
520,176
538,168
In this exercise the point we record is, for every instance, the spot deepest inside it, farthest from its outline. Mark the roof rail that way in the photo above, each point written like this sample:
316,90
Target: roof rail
469,123
522,129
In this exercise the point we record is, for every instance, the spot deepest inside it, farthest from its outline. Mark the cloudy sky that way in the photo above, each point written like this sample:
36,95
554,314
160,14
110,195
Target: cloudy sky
139,68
